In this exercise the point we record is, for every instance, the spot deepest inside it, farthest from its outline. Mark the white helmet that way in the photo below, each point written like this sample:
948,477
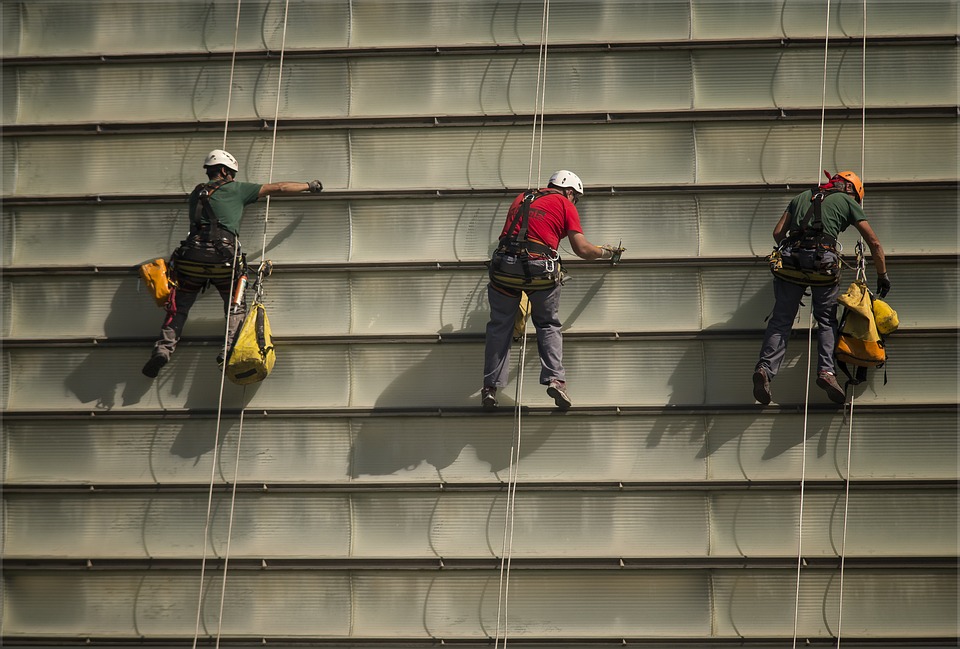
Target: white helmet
564,178
221,157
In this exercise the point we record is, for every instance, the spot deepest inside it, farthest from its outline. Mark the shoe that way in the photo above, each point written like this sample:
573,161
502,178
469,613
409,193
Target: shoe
488,398
828,382
152,367
761,387
558,390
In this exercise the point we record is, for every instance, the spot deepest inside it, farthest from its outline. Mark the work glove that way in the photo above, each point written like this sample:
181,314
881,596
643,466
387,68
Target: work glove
315,186
612,253
883,284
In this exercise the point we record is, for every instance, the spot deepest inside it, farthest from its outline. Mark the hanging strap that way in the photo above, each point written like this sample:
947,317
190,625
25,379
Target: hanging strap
518,242
204,208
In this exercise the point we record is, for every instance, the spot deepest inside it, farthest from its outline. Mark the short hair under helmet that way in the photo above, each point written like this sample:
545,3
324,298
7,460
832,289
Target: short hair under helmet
857,184
221,157
564,178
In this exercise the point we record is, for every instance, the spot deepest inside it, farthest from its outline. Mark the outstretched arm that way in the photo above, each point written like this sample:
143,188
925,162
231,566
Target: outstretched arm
583,248
286,187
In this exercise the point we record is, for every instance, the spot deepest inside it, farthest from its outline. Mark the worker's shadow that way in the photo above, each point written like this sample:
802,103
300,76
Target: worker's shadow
96,380
749,314
396,444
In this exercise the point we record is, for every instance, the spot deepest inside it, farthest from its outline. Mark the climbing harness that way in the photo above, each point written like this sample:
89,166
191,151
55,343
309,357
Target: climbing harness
519,263
808,256
238,281
210,252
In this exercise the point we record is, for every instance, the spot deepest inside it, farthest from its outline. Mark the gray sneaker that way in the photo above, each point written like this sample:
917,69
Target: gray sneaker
761,387
828,382
558,390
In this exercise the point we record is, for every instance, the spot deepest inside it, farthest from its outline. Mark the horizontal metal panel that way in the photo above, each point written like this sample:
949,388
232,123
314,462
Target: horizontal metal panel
490,157
758,18
62,27
665,604
476,449
444,375
651,226
56,28
502,83
742,223
546,525
596,298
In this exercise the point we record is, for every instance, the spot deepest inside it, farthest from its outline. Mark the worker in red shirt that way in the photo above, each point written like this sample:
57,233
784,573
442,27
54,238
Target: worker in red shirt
527,261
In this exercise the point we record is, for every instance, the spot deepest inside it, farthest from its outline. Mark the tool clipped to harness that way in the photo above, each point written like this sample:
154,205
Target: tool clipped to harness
521,264
156,277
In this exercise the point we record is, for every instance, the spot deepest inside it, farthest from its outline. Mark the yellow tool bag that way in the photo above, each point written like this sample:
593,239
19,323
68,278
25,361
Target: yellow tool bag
859,342
157,280
252,356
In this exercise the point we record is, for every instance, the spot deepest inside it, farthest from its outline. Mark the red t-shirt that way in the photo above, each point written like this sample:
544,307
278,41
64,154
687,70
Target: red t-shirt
552,217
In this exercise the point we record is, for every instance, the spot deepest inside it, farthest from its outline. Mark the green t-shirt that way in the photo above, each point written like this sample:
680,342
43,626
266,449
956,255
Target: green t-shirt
227,203
838,212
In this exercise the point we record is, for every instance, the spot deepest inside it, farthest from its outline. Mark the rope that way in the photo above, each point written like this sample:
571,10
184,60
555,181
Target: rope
216,446
506,555
861,272
810,359
233,62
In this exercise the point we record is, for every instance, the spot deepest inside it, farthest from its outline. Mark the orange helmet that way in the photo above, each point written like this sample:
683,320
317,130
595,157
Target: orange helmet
857,184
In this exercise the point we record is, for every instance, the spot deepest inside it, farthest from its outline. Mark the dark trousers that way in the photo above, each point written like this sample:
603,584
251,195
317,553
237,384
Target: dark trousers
189,287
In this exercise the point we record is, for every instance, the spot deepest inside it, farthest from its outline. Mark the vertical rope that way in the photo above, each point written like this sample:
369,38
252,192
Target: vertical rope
216,439
216,445
503,603
233,62
810,357
861,272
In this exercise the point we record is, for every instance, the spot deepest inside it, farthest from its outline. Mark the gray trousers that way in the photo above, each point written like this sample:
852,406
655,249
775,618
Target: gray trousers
544,311
775,339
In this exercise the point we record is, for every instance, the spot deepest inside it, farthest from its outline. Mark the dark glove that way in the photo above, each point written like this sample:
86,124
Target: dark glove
612,253
315,186
883,284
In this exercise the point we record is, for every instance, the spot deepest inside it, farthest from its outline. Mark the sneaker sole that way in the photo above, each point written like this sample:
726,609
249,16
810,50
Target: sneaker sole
760,390
152,369
489,404
559,399
832,393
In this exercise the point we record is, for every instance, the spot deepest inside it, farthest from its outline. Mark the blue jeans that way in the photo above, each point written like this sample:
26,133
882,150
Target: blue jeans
785,309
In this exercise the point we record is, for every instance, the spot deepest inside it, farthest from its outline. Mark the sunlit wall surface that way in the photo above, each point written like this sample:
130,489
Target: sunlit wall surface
666,508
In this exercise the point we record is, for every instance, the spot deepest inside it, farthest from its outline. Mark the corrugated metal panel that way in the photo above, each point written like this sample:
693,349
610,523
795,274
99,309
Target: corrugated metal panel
430,450
182,26
452,605
461,229
633,373
491,157
501,83
758,18
550,525
383,303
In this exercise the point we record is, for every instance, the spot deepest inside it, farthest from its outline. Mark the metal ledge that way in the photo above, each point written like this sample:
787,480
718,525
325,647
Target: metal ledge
512,119
461,193
481,50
